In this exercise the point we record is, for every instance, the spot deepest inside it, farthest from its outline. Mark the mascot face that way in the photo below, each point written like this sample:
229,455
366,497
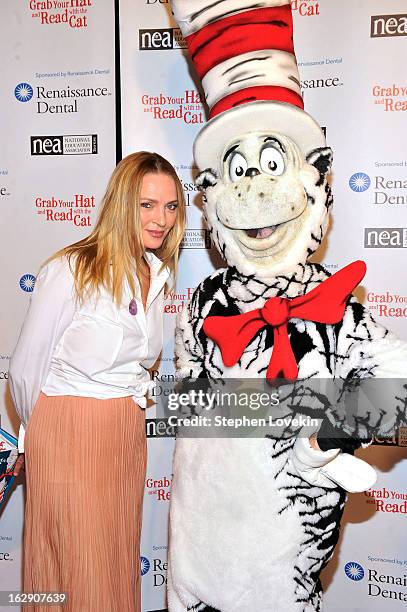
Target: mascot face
267,211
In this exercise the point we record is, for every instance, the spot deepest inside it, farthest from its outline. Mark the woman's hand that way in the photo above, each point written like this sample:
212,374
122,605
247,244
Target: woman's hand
19,464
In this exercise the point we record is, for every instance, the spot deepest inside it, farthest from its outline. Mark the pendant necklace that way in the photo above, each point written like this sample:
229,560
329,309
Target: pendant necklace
133,307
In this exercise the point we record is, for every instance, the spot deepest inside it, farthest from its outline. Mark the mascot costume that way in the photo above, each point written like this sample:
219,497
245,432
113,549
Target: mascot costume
253,521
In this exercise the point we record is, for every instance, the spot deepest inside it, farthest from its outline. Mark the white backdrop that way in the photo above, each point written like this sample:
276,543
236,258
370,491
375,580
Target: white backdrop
353,83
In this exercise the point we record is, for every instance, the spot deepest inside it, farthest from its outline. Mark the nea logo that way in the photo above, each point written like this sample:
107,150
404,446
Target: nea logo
46,145
75,144
150,40
388,25
385,237
161,39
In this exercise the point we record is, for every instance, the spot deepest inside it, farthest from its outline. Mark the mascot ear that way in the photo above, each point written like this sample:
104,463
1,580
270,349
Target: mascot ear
206,179
321,159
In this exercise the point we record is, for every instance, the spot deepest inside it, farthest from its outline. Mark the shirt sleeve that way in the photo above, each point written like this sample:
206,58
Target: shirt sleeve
50,312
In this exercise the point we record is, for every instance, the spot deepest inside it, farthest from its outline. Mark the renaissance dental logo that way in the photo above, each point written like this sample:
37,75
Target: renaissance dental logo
385,190
385,238
392,98
23,92
76,210
73,144
387,304
186,108
144,566
27,282
383,26
69,98
383,585
161,39
359,182
69,13
354,571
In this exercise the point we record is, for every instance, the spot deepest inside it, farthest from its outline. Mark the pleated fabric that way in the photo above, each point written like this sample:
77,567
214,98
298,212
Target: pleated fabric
85,464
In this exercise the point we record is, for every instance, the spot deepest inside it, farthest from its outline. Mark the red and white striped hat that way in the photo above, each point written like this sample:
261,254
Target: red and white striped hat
244,55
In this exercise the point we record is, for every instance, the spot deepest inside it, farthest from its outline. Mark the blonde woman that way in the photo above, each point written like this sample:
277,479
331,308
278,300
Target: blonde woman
79,376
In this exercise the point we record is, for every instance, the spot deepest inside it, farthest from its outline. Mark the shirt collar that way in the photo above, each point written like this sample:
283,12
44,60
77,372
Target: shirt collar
155,264
157,279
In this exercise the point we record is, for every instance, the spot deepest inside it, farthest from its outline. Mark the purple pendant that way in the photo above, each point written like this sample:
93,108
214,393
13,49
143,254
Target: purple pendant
133,307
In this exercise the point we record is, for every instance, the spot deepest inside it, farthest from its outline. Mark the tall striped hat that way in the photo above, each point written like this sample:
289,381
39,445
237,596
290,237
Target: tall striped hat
243,53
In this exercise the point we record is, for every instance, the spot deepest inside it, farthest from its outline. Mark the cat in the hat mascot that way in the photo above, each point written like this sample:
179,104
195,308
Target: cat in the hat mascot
253,522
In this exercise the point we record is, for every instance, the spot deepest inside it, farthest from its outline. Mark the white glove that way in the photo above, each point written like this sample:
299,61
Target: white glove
332,468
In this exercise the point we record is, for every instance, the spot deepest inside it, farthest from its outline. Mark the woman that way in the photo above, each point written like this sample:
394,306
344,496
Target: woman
78,377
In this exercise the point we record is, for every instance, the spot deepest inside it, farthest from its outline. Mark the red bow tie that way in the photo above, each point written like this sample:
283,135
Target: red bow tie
324,304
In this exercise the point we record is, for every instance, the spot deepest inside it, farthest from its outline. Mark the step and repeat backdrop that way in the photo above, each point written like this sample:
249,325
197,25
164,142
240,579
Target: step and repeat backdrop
58,150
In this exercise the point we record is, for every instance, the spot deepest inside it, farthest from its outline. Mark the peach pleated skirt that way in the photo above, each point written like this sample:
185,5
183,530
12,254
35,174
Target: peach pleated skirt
85,464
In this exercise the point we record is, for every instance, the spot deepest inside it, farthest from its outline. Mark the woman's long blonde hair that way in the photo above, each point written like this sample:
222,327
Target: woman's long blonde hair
117,237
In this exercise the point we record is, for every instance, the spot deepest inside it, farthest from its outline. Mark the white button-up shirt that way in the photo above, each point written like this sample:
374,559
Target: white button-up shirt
95,349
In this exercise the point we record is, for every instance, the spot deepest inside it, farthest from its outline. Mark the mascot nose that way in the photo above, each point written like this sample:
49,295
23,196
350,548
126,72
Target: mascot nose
252,172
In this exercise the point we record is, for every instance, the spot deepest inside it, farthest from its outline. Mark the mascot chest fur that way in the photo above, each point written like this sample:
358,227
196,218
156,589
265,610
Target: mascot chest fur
241,515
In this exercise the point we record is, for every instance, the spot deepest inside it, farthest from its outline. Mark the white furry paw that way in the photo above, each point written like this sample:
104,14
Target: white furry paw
308,462
332,468
350,473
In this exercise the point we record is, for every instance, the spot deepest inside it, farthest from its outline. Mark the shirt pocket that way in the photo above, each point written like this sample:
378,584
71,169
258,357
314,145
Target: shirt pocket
91,345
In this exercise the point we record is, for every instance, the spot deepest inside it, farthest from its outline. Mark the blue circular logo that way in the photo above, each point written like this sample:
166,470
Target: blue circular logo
23,92
27,283
354,571
144,565
359,182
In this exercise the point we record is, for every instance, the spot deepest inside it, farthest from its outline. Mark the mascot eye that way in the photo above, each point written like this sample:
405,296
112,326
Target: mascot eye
237,168
272,162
